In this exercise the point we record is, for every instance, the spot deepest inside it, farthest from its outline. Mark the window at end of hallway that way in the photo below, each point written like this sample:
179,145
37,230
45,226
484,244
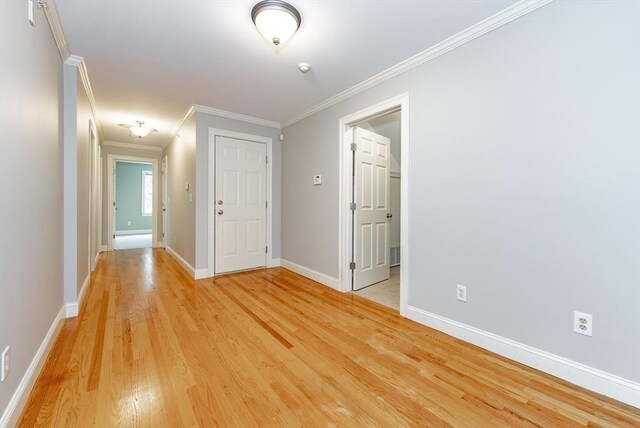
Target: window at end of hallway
147,193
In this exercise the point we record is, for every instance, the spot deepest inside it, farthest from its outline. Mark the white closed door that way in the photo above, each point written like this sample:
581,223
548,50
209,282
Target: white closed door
372,210
240,205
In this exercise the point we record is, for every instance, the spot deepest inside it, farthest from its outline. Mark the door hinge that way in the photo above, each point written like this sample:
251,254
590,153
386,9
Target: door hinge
114,204
352,206
266,204
114,236
267,158
352,266
266,249
163,234
354,147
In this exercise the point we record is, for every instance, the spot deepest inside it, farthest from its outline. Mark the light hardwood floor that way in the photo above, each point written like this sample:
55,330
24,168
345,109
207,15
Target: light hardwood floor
154,348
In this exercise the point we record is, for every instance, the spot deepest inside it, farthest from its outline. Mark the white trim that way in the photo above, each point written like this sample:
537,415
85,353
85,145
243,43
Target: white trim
201,273
53,17
211,207
72,309
497,20
130,146
274,263
236,116
84,76
133,232
400,102
103,248
323,279
587,377
111,162
95,261
20,396
174,133
182,262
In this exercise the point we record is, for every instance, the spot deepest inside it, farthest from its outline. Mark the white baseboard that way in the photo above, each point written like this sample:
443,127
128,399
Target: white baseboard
95,261
587,377
72,309
274,263
134,232
310,273
104,248
159,244
186,266
201,274
19,399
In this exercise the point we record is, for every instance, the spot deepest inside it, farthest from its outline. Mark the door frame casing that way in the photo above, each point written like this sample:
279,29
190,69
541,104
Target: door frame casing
164,198
211,177
111,161
345,229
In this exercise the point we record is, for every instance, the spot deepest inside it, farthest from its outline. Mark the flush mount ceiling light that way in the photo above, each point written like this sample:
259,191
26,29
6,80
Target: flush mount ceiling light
276,20
304,67
139,130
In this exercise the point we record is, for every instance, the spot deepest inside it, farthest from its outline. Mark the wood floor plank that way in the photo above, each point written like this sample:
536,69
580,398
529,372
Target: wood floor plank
155,348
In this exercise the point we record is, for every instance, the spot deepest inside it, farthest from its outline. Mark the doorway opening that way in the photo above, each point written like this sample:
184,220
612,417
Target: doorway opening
133,190
374,204
376,219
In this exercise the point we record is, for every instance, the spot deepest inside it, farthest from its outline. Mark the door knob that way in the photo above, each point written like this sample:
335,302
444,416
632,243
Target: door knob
389,215
220,202
220,212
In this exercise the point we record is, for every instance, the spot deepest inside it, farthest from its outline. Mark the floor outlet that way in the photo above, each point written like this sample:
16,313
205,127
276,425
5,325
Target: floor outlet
583,323
4,369
461,293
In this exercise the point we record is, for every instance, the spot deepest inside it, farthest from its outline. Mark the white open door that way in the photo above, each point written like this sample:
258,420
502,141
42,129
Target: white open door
372,211
165,203
240,204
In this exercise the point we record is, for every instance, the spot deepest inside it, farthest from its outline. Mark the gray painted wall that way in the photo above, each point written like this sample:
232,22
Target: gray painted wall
129,197
125,151
181,157
203,123
524,186
30,188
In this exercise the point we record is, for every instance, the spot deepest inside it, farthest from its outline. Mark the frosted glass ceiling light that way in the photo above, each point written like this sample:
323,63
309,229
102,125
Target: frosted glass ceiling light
139,130
276,20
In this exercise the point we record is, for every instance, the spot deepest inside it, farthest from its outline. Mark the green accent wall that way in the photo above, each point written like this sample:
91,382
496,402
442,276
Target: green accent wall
129,197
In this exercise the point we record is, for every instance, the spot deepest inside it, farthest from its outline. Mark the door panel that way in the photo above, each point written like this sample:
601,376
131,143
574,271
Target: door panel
240,235
371,195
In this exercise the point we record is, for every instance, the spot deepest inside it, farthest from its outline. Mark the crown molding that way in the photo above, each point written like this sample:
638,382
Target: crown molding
53,17
79,63
190,112
497,20
130,146
236,116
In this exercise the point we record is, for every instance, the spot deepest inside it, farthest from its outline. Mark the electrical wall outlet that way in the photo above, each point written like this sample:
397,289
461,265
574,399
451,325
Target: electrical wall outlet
461,293
4,364
583,323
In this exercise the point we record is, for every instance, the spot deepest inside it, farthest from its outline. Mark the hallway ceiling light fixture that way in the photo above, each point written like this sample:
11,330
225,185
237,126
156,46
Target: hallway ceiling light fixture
139,130
304,67
276,20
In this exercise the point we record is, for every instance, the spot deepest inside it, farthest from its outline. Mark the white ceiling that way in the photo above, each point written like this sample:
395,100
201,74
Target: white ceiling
151,60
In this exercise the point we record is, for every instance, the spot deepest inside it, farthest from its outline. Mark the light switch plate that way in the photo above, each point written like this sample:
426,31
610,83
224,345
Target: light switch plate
317,180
